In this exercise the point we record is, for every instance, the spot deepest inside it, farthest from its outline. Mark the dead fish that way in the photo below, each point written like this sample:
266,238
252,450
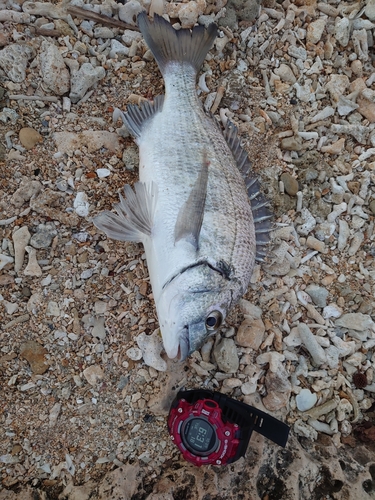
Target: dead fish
197,208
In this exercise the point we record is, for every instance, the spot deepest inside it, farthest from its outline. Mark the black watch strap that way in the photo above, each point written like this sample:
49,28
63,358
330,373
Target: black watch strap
247,417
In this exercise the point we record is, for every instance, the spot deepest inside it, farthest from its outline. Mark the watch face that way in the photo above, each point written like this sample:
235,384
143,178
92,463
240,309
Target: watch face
199,436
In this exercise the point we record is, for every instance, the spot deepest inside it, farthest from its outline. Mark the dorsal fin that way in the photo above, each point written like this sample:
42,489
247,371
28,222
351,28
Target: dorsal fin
190,217
262,214
136,116
135,214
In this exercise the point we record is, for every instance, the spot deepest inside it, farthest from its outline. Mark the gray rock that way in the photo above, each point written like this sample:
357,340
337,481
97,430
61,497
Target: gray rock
14,59
297,52
309,341
225,354
103,32
342,30
129,12
285,73
370,10
26,190
290,183
99,328
54,72
356,321
44,236
318,294
117,48
291,143
130,157
372,206
83,79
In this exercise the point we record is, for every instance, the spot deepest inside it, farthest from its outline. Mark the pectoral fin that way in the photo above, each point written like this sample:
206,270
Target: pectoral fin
190,217
135,214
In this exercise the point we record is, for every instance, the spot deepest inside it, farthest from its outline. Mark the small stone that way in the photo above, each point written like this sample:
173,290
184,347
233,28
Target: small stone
285,73
309,341
93,374
370,10
318,294
100,307
26,190
14,59
83,79
29,137
290,183
118,49
225,354
134,353
334,149
103,172
366,104
21,238
129,12
52,67
306,400
34,354
278,390
332,311
315,30
372,206
151,347
44,236
52,309
32,268
130,157
356,321
251,333
5,260
291,143
337,86
103,32
81,204
99,330
342,30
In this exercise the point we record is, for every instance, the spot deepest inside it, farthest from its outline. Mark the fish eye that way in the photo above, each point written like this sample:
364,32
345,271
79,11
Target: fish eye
214,320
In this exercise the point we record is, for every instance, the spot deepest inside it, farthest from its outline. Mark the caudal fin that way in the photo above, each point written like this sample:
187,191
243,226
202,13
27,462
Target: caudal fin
170,45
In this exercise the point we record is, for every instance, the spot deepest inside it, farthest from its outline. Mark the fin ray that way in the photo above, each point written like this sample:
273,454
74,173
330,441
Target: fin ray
134,219
168,44
260,208
136,116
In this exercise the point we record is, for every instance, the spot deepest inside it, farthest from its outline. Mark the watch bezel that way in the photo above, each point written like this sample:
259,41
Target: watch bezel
189,447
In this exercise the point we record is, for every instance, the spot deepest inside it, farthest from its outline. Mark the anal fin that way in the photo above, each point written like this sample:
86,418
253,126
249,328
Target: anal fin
135,214
262,214
136,116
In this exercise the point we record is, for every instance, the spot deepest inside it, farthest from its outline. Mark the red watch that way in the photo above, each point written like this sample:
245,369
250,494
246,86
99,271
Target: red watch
211,428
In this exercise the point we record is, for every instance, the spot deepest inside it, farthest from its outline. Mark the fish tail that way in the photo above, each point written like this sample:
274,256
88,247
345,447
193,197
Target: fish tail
169,45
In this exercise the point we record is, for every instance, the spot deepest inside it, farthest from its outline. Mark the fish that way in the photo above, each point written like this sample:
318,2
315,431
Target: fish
197,208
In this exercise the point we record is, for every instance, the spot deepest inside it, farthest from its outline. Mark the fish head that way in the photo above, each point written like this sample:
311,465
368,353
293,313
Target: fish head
193,306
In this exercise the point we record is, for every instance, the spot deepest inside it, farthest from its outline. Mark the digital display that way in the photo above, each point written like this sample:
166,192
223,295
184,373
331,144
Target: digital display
199,436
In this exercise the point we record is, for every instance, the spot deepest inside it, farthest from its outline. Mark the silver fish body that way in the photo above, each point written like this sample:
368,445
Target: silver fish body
191,208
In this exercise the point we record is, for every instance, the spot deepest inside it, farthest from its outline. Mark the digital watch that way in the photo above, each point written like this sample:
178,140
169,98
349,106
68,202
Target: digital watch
211,428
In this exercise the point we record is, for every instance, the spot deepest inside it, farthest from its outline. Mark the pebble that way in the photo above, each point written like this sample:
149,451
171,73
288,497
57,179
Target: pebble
21,238
370,10
14,59
103,172
366,104
54,72
44,236
251,333
52,309
83,79
99,330
32,268
129,12
335,148
342,30
332,311
226,357
34,354
291,143
315,30
318,294
151,347
26,190
356,321
134,353
5,260
290,183
309,341
81,204
29,137
93,374
278,389
306,400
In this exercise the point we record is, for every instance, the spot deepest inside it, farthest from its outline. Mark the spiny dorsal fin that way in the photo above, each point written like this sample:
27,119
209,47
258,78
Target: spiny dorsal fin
135,214
262,214
136,116
168,44
190,217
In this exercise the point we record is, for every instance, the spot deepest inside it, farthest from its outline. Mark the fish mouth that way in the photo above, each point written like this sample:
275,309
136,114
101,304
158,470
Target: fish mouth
191,339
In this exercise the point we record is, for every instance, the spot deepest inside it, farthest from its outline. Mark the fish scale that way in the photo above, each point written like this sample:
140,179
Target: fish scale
191,208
